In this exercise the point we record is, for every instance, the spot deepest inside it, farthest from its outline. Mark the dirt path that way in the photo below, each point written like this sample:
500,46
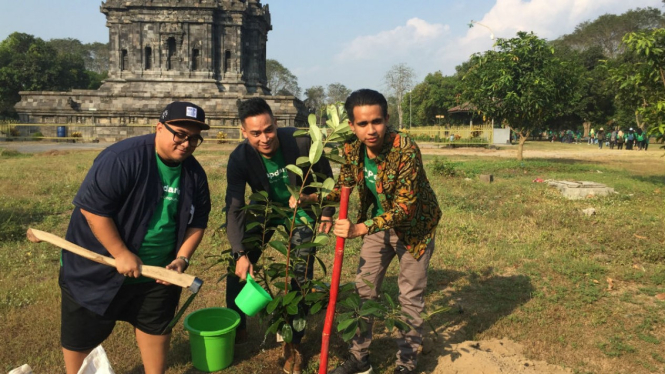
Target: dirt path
574,151
491,357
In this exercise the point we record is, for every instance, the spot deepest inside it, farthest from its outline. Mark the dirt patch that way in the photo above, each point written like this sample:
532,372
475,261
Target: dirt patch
491,357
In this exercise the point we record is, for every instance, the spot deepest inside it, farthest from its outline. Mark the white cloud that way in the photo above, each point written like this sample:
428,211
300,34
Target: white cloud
417,35
546,18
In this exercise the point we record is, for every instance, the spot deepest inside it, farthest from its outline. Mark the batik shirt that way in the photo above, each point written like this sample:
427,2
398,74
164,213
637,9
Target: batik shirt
409,204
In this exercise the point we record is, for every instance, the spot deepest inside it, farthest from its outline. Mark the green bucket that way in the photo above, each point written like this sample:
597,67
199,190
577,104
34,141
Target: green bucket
212,334
252,298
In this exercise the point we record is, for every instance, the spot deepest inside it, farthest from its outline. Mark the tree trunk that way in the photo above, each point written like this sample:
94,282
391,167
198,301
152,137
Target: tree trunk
520,147
587,127
638,120
399,113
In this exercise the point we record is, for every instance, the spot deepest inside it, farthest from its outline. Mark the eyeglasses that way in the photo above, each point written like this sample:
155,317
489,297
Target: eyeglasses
179,137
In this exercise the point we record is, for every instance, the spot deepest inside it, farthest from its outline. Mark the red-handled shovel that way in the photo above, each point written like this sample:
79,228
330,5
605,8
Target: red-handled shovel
334,285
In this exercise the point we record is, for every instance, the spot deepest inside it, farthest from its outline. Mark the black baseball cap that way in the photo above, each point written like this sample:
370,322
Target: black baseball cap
184,112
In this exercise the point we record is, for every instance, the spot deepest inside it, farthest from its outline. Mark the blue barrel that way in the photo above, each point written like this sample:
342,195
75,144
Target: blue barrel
62,131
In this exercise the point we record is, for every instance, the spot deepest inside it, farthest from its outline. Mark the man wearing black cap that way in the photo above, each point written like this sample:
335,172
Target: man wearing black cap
143,201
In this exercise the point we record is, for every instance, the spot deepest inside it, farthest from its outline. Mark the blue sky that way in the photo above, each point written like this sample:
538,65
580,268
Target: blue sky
353,42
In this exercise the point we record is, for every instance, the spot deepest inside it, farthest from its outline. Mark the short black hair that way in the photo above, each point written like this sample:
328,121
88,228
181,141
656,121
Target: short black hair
253,107
363,97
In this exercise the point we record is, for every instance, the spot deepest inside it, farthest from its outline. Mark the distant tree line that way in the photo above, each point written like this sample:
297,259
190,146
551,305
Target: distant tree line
605,73
28,63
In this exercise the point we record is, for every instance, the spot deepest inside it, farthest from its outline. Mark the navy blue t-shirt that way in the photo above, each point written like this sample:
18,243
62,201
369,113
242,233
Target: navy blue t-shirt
123,183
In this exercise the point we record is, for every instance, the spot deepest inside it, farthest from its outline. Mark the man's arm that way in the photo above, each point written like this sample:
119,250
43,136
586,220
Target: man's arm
193,237
235,201
107,233
235,216
402,204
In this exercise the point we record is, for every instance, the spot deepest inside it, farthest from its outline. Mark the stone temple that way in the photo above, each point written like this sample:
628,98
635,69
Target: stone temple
209,52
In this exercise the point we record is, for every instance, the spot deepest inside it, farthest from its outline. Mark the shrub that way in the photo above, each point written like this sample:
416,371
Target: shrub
443,168
221,137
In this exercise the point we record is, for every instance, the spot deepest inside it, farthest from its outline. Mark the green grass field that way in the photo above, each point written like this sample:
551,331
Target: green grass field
514,259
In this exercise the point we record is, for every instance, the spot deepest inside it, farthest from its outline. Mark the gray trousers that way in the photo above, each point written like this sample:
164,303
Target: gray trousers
376,254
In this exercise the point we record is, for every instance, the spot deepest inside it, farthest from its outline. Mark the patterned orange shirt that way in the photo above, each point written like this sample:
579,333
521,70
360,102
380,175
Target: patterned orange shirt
409,203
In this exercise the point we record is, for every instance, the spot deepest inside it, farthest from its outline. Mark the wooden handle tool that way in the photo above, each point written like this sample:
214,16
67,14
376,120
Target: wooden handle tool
154,272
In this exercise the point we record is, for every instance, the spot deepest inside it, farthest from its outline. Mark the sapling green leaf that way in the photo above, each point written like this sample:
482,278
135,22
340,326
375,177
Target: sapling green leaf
279,246
302,161
292,309
252,225
311,119
315,134
390,324
333,116
390,300
335,158
343,324
321,239
295,169
299,324
273,328
315,151
402,325
322,265
273,305
259,196
289,297
350,331
315,308
287,333
314,296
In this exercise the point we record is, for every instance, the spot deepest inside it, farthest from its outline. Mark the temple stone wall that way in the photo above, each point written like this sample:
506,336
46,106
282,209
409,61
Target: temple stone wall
209,52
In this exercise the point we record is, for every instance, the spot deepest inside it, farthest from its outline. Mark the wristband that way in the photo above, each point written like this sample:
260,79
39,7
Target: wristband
186,261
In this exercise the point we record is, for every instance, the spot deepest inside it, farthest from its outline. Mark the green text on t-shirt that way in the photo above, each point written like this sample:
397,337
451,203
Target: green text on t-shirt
279,179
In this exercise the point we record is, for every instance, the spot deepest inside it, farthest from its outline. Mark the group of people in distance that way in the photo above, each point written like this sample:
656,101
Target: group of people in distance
631,139
146,200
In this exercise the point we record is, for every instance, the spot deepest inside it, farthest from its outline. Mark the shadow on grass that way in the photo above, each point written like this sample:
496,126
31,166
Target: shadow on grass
14,223
656,180
485,299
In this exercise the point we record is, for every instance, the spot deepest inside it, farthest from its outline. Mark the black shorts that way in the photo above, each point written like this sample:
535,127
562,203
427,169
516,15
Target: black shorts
149,307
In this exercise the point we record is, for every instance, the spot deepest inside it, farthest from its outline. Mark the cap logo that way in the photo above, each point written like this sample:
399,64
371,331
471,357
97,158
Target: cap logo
165,113
191,112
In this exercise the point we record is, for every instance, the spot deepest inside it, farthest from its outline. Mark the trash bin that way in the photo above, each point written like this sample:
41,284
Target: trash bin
62,131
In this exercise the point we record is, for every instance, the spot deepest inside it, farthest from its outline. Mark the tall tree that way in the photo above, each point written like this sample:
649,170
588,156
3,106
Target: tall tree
640,80
399,80
315,100
431,98
95,55
98,59
523,83
280,79
30,64
607,30
596,97
337,92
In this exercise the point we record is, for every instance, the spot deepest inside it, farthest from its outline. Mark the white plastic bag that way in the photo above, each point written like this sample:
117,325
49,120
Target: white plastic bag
96,363
24,369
